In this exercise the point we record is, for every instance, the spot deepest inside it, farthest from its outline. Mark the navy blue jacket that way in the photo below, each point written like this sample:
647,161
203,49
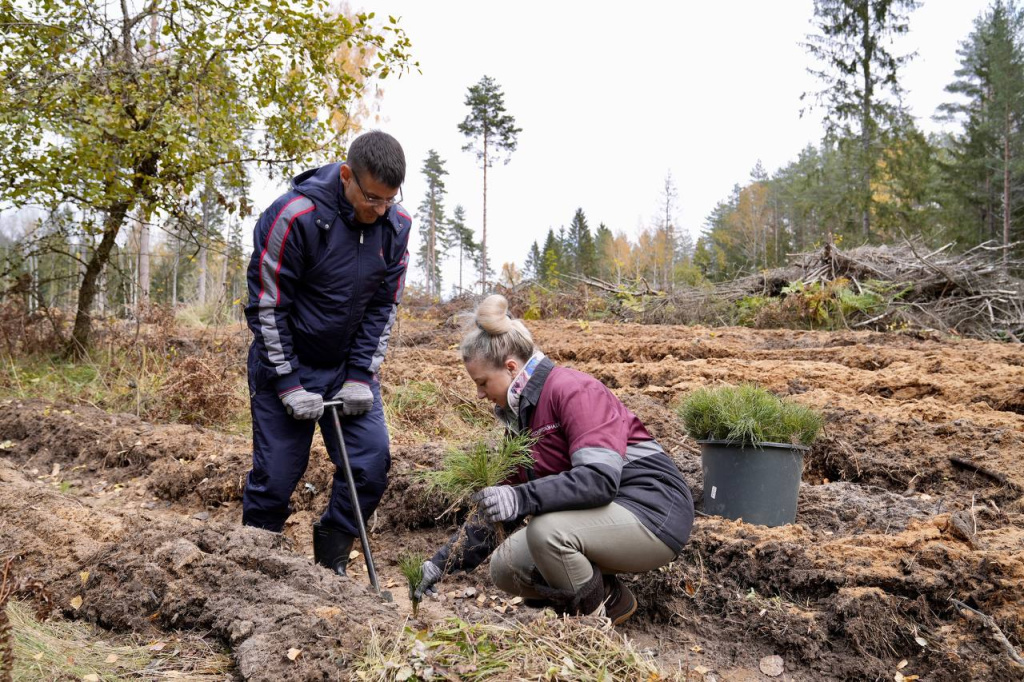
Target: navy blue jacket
324,289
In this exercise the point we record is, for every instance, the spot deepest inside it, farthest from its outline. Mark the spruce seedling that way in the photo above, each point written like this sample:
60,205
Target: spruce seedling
411,566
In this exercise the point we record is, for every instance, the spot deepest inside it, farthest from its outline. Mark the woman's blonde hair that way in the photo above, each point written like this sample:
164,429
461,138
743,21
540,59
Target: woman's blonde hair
496,336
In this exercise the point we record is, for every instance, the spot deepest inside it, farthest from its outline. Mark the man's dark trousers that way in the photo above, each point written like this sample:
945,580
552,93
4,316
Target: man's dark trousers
281,453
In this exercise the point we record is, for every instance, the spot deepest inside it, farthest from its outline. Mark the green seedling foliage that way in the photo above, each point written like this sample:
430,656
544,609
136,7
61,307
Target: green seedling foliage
747,415
411,566
482,464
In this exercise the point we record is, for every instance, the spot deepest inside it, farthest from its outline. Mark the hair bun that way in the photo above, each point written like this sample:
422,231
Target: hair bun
492,315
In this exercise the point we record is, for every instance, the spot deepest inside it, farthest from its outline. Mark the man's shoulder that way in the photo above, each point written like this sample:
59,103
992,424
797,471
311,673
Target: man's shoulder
399,218
287,208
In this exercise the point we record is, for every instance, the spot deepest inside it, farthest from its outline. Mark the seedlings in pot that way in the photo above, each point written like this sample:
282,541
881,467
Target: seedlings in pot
747,415
411,566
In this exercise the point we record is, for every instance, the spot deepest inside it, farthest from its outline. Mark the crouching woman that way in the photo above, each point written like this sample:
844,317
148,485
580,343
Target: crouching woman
604,497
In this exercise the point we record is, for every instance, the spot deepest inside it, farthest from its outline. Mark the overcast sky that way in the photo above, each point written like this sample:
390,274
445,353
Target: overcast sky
612,98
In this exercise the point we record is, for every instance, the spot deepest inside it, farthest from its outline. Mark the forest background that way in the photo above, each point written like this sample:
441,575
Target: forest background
135,182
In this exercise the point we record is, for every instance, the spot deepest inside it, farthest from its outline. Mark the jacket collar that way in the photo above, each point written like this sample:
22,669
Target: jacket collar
324,188
529,397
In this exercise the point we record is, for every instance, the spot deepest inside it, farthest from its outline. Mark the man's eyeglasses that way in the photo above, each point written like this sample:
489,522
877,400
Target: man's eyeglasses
377,201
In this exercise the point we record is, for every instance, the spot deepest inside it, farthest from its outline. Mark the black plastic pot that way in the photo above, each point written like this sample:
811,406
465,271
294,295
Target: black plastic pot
756,484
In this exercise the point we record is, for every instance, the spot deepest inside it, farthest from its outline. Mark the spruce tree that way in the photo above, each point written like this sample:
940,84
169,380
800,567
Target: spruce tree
987,154
858,70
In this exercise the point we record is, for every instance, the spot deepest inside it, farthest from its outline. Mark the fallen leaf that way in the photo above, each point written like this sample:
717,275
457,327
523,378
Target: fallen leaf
404,673
84,575
76,602
690,589
898,677
112,658
38,656
481,599
353,554
696,649
921,640
7,445
91,677
902,664
390,583
701,670
772,666
158,646
515,600
294,653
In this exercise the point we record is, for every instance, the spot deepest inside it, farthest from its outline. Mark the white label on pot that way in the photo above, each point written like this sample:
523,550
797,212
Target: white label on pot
714,491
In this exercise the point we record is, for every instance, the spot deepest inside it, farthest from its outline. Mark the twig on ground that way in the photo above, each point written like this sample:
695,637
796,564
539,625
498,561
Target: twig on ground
990,622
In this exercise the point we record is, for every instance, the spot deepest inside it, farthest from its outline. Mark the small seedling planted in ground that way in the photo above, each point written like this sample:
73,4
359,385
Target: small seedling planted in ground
411,566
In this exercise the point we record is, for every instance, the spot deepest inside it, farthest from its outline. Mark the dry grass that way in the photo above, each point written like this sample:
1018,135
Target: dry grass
549,647
64,650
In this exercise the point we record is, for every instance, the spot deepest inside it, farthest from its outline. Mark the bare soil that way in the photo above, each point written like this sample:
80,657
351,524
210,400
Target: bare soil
914,496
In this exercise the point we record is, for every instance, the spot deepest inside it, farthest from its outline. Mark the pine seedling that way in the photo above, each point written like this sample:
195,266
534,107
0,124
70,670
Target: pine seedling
484,463
411,566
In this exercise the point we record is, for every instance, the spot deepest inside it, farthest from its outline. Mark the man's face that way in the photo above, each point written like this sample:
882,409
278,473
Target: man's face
370,197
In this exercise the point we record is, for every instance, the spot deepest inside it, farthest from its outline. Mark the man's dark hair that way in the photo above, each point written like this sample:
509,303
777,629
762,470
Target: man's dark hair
380,155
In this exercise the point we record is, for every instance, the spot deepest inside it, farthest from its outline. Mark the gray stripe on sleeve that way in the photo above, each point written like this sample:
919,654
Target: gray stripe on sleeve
644,448
270,263
382,346
603,456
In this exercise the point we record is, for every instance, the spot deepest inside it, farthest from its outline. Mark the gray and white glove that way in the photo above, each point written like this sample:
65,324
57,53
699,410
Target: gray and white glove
497,503
356,398
302,404
431,574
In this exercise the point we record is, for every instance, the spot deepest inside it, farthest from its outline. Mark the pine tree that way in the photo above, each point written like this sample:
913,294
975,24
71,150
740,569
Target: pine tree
492,131
432,220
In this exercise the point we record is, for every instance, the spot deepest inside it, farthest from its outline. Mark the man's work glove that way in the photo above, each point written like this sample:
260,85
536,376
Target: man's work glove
302,404
497,503
356,398
431,574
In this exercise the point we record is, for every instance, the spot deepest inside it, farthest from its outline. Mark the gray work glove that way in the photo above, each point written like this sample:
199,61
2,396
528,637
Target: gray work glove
302,404
497,503
431,574
356,398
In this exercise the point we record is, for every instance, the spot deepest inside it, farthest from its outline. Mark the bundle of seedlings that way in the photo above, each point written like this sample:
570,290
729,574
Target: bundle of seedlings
484,463
411,566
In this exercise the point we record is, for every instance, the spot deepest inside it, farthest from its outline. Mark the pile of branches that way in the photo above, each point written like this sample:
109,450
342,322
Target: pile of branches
971,293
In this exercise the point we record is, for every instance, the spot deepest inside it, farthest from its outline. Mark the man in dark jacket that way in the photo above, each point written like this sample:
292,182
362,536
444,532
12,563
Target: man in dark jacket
325,281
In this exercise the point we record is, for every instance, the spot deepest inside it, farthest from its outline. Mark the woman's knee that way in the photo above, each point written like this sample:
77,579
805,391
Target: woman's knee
506,574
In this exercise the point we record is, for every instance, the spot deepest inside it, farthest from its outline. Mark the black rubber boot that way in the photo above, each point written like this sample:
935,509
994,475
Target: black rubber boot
587,601
331,547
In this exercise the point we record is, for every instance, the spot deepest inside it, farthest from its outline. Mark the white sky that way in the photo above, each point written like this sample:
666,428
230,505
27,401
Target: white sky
612,97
